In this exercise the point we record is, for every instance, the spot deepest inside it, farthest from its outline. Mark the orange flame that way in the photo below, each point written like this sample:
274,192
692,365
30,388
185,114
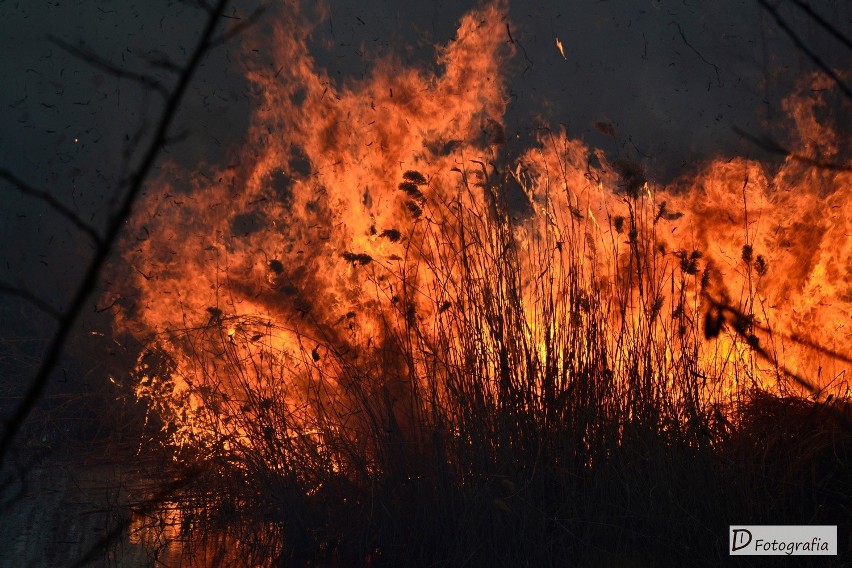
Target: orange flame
378,213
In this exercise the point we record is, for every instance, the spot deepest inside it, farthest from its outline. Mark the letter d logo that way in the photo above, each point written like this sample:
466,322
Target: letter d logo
740,538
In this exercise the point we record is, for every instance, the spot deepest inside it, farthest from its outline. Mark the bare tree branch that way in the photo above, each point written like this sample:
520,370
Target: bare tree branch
824,23
774,147
741,323
159,59
54,203
804,48
32,299
240,27
102,251
96,60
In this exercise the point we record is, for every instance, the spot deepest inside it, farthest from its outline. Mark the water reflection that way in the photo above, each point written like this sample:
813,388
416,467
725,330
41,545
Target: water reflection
199,529
64,509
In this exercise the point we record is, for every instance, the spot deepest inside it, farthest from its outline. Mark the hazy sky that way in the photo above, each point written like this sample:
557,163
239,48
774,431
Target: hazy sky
672,77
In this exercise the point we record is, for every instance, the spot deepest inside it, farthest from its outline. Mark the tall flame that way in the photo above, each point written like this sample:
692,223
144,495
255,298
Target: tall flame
371,233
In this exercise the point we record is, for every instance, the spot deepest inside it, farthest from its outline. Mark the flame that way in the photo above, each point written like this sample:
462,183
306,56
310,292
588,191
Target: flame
371,233
561,48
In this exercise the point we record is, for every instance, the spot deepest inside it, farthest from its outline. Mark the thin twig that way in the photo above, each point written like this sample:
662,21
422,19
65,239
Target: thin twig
804,48
162,61
239,28
54,203
824,23
32,299
96,60
774,147
737,321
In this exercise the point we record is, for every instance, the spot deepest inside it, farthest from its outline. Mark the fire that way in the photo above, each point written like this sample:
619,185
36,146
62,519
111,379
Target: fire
374,245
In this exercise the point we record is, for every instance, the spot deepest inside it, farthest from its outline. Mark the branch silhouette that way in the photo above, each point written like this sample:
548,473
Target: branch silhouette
31,298
96,60
741,323
826,25
54,203
776,148
105,244
797,41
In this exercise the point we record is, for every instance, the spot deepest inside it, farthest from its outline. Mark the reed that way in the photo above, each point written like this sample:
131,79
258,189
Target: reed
537,393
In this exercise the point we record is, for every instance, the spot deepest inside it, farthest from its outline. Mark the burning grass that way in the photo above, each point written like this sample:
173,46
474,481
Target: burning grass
522,420
396,346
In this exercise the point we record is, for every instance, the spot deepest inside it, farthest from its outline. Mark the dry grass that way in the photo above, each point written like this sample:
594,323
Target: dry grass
546,414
